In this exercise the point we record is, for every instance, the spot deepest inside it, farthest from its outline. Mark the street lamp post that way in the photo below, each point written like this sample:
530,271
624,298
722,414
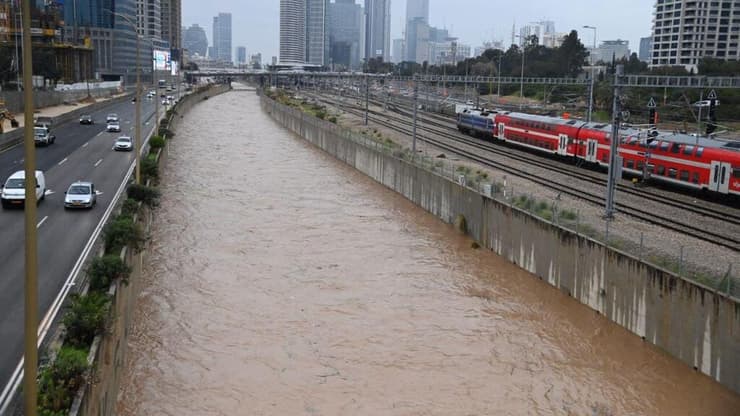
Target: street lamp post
521,76
137,96
591,89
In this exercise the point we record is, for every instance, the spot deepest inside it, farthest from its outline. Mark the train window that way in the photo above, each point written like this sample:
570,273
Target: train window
630,164
699,151
603,158
664,146
676,148
654,144
688,150
640,166
651,168
685,175
661,170
695,177
672,173
736,173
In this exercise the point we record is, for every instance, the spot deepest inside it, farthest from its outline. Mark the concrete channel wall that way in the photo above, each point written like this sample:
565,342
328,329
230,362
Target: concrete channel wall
692,323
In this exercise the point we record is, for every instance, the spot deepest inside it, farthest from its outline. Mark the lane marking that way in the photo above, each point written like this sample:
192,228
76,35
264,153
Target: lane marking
62,162
85,145
100,134
98,163
42,221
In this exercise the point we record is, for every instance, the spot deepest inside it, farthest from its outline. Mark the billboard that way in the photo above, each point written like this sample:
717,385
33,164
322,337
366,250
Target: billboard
175,66
162,60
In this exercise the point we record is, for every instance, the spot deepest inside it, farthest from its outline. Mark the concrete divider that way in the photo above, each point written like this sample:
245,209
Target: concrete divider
15,137
689,321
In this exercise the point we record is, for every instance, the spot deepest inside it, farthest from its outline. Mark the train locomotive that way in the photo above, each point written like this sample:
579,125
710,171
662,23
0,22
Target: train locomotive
684,160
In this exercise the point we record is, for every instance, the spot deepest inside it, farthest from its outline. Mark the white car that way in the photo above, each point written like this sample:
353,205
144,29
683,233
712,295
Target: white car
113,127
111,117
123,143
14,191
80,195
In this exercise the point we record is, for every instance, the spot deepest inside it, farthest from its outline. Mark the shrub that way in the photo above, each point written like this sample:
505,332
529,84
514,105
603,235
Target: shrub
150,167
142,193
333,119
156,142
103,270
121,232
321,114
59,382
85,318
130,207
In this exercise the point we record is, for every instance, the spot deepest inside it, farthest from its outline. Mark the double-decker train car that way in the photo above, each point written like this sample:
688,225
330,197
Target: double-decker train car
680,159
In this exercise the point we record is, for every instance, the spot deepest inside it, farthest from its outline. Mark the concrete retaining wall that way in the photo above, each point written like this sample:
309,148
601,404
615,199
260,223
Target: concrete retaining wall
15,103
693,323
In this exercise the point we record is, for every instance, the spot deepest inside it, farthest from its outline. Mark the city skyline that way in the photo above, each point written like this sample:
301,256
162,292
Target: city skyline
260,21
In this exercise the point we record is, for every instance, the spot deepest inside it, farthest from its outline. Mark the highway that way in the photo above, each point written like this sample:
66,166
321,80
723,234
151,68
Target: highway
81,152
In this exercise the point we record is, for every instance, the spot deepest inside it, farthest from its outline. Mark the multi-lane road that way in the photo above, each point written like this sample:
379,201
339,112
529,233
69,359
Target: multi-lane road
81,152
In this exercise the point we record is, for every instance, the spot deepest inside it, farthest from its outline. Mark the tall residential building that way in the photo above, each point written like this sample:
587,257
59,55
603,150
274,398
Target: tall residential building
171,25
292,31
149,18
378,29
195,40
685,31
345,34
611,49
222,37
241,55
317,41
646,44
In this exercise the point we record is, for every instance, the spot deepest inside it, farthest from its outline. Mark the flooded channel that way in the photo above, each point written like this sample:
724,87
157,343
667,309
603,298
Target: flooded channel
282,282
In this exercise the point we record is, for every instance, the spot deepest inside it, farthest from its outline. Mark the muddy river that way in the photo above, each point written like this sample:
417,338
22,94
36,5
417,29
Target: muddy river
281,282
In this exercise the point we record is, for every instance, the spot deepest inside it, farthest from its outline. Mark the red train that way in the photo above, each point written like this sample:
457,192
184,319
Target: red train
681,159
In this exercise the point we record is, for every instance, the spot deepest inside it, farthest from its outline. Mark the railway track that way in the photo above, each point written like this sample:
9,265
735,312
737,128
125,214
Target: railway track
400,125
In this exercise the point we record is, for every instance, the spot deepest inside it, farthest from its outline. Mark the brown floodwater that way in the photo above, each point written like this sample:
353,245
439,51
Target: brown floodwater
282,282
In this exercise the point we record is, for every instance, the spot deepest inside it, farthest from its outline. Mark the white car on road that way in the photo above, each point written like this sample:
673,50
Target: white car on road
13,192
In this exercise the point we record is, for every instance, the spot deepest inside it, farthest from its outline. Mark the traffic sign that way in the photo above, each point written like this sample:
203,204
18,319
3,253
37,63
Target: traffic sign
651,103
712,95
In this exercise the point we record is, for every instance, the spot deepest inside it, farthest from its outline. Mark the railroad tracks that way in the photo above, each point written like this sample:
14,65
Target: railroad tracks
725,239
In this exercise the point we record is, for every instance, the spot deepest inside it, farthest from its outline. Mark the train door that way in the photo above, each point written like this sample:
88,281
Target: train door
719,177
592,147
502,131
563,145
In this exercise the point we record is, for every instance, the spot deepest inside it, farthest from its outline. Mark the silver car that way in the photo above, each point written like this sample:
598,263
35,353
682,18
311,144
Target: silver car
123,143
113,126
80,195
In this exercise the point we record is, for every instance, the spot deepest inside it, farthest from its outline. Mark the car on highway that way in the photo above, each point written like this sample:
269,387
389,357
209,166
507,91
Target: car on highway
111,117
86,119
113,127
13,192
42,136
80,195
123,143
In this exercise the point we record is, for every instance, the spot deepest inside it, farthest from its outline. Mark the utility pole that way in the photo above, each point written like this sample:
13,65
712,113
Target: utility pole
367,97
698,117
500,58
30,305
416,107
591,88
615,161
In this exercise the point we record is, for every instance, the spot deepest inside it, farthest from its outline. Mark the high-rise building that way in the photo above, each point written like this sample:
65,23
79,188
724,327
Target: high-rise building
195,40
685,31
399,47
222,37
241,55
345,34
646,44
611,50
417,15
417,9
292,31
317,39
378,29
449,52
149,18
171,25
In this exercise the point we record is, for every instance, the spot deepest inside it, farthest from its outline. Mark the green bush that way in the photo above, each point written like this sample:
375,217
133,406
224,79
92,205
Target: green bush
130,207
333,119
122,232
59,382
104,270
142,193
321,114
156,142
85,318
150,168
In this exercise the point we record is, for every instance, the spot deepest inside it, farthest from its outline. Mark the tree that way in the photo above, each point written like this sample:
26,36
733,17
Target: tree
571,55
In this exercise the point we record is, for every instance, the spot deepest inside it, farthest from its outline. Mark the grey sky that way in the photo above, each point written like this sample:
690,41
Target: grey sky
255,22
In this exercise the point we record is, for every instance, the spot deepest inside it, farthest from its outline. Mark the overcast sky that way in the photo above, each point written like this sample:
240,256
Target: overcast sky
255,22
